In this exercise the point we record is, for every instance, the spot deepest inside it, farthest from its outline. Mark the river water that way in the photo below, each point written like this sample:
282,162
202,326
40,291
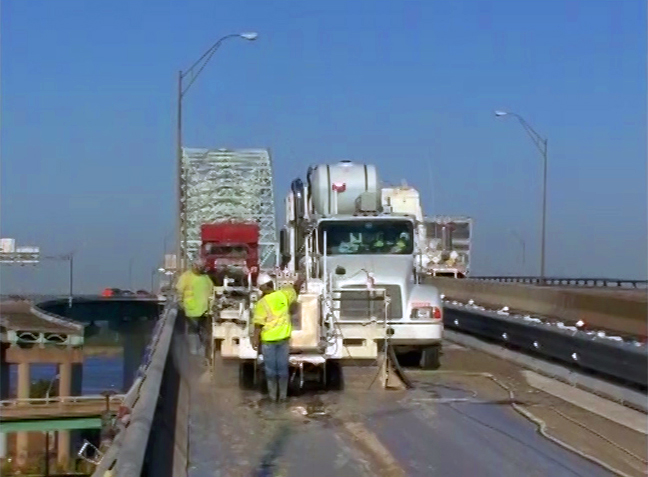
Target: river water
100,373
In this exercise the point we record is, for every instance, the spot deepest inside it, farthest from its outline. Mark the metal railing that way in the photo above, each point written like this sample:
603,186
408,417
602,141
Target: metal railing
125,456
614,358
62,400
576,282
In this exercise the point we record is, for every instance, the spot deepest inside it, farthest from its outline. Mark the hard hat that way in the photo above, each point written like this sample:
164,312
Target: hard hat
263,279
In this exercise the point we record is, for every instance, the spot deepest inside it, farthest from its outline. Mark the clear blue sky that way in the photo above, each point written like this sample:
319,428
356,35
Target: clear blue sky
88,119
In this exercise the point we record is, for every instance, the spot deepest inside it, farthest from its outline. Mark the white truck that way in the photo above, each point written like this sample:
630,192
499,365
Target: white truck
447,247
359,258
343,232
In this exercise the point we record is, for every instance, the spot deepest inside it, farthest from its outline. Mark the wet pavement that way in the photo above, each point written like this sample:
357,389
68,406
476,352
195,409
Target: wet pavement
449,425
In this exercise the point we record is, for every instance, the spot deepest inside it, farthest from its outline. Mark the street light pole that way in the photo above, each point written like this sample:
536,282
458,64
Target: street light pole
181,246
541,143
71,291
179,238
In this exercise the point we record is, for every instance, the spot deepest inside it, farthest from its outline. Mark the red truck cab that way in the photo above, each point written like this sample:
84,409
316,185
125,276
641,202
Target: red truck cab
231,250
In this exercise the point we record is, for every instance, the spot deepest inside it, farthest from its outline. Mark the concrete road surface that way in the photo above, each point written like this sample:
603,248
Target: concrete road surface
430,431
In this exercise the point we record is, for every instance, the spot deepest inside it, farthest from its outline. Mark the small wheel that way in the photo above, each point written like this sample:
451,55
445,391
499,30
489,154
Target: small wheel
334,375
246,375
431,357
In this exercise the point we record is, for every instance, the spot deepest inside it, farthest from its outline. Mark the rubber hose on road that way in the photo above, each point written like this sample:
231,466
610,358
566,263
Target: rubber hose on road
391,355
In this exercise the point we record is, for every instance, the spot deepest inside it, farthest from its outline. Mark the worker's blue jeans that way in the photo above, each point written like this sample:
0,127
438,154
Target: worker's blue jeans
197,334
275,358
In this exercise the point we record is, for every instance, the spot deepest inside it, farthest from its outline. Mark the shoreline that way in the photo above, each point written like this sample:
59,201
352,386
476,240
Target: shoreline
102,351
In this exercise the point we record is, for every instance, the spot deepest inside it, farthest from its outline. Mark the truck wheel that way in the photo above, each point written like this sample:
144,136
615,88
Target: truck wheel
246,375
430,357
334,376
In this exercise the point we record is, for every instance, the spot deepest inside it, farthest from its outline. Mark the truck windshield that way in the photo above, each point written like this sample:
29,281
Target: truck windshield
367,237
226,251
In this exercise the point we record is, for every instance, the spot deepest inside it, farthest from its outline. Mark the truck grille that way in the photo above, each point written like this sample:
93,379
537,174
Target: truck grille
358,303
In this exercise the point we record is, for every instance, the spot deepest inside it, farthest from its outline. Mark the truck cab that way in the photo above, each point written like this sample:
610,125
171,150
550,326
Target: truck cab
231,252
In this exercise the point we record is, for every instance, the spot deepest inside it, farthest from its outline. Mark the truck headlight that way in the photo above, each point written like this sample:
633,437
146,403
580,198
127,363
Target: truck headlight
424,313
427,313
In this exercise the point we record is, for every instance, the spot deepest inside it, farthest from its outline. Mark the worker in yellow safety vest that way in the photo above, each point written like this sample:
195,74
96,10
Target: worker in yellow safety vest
401,243
195,290
272,330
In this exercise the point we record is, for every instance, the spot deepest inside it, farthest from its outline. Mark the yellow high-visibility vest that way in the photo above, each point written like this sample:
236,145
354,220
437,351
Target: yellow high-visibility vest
272,313
196,291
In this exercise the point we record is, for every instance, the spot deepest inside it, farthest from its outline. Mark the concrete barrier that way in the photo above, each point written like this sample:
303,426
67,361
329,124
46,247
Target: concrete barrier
167,452
621,312
155,440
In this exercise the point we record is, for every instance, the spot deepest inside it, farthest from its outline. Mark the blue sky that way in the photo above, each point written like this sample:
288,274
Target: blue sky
87,136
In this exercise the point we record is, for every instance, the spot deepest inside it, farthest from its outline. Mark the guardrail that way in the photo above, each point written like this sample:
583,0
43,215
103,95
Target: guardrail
125,456
576,282
617,360
90,398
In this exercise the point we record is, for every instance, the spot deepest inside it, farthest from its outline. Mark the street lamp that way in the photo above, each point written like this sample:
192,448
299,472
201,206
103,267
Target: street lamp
541,144
193,72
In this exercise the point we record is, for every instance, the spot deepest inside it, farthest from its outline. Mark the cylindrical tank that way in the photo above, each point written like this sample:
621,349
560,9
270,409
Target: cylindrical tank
346,179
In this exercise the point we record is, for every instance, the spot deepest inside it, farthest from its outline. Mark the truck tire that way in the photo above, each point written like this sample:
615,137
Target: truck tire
431,357
334,375
247,373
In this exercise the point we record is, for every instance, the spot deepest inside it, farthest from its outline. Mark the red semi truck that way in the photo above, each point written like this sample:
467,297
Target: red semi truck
231,250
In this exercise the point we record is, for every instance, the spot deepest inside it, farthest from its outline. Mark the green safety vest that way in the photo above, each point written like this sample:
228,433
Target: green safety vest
272,313
196,291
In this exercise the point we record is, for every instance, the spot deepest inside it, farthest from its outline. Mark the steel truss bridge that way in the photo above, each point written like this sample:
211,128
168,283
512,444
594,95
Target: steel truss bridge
221,184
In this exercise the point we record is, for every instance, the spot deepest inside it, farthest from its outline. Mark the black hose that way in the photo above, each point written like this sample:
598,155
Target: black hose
391,355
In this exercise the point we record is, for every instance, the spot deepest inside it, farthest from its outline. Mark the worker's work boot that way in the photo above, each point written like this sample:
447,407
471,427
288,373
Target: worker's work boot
283,389
272,389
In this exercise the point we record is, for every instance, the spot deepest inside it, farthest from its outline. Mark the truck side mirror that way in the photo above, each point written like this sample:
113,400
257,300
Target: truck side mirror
339,270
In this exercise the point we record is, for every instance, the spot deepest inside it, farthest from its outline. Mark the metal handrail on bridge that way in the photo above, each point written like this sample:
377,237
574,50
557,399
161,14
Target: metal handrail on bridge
125,456
560,281
118,398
